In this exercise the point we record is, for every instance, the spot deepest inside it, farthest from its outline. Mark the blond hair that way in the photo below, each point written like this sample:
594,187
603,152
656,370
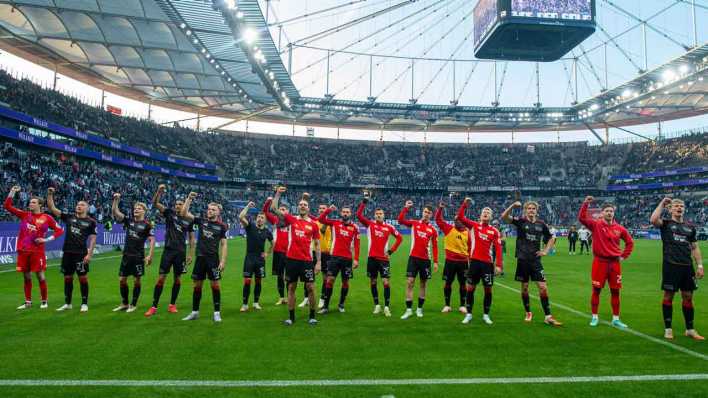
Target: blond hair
141,204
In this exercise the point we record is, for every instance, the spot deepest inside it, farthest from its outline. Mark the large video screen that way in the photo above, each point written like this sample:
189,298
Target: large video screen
578,10
485,14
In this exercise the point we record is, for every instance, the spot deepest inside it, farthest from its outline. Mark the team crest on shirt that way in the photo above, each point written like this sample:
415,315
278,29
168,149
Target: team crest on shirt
40,221
617,233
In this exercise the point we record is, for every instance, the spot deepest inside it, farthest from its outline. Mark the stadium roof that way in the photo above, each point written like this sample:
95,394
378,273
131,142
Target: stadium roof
219,59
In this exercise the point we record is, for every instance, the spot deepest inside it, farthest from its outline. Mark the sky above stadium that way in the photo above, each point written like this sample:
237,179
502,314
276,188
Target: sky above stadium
379,53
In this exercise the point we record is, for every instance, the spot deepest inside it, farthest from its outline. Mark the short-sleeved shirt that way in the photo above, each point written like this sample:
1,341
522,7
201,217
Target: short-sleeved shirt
677,238
78,231
256,238
176,231
530,236
136,233
302,232
209,236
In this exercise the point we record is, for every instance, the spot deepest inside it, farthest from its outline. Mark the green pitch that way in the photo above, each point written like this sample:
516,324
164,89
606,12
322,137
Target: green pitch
101,345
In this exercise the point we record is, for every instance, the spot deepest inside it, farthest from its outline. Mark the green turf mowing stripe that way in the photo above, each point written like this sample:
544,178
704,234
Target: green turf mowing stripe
627,330
353,382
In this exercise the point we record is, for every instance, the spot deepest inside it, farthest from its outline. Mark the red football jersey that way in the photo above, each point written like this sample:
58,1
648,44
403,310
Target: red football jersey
32,226
302,232
423,234
345,236
378,234
606,237
485,238
281,235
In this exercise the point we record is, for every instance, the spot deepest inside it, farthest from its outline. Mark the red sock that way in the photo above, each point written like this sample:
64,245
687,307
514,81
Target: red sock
43,289
615,300
595,300
28,289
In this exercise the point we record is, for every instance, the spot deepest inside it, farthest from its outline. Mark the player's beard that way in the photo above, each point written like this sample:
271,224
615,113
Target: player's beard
346,218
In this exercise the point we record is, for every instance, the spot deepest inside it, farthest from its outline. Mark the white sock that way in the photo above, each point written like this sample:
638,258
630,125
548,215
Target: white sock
615,317
594,316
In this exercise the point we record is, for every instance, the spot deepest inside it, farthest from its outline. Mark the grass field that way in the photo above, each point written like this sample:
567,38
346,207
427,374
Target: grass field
101,346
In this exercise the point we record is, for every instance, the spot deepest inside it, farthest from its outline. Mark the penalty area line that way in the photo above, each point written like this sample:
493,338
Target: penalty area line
344,383
627,330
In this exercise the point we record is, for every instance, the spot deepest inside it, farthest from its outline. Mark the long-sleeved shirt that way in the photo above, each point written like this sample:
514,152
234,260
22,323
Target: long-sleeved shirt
32,226
378,234
345,236
422,235
457,242
606,236
302,233
485,238
282,231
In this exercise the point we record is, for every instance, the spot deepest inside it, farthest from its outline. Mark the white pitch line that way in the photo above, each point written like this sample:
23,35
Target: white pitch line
342,383
627,330
57,264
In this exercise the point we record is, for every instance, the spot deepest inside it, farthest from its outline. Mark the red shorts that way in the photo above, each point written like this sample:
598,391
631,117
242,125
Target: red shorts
608,271
31,261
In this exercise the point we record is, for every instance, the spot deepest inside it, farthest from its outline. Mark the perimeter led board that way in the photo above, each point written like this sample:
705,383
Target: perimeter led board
531,30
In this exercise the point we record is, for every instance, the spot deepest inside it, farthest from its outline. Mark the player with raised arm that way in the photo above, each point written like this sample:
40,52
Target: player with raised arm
212,249
345,238
530,233
254,262
607,257
76,256
378,256
485,240
423,235
137,231
176,255
30,244
457,257
299,261
281,238
680,251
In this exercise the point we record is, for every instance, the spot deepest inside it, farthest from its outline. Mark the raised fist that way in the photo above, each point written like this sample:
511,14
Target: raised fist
666,201
50,191
251,205
516,204
116,196
305,196
281,189
192,195
442,204
333,207
409,203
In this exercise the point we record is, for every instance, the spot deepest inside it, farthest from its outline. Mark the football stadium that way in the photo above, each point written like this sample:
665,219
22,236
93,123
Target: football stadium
353,198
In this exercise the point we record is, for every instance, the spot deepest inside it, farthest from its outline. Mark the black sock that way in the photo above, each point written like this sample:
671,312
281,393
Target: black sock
526,301
312,313
545,305
387,295
447,293
246,292
668,310
421,301
327,296
196,298
375,293
687,308
124,293
304,289
487,300
469,300
84,286
323,294
68,289
175,292
281,287
463,295
136,293
216,294
156,294
343,295
409,304
257,292
292,315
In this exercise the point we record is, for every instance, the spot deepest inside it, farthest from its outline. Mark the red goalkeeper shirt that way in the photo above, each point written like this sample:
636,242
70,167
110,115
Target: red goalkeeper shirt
606,237
32,226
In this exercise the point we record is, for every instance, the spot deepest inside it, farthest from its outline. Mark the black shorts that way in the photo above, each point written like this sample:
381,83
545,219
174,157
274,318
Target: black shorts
418,266
324,260
336,264
529,269
376,267
454,270
278,264
480,271
132,266
300,270
173,259
678,277
206,267
74,263
254,265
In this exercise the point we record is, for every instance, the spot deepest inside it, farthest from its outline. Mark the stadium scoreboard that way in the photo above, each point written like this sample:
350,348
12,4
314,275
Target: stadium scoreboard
531,30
